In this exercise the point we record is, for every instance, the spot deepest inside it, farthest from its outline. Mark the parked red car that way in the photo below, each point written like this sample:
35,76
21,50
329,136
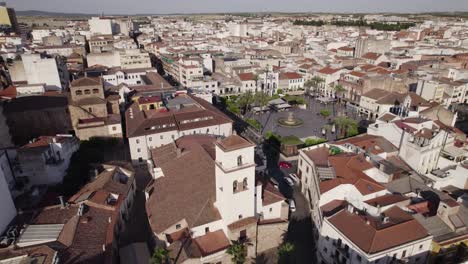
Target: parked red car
284,165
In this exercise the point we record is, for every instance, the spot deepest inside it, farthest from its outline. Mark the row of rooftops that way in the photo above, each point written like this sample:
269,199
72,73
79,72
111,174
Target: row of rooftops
80,229
405,208
197,178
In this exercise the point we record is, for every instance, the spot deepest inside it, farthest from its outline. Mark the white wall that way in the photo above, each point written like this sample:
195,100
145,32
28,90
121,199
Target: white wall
241,203
41,70
99,26
147,142
412,248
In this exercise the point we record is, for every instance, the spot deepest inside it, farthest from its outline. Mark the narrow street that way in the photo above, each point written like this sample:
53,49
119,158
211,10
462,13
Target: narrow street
300,231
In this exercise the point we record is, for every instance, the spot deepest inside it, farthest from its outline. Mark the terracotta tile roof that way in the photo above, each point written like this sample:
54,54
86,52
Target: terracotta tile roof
271,195
9,92
358,74
243,223
153,122
372,235
109,181
348,169
212,242
346,48
387,117
247,76
332,207
376,94
289,76
371,143
234,142
82,237
328,70
371,56
44,141
196,177
385,200
86,81
319,156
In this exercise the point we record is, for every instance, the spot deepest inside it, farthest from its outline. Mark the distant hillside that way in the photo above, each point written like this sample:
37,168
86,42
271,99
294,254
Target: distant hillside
49,14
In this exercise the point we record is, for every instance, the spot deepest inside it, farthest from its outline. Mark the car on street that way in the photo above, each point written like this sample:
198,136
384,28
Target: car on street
289,181
284,165
294,177
292,205
273,181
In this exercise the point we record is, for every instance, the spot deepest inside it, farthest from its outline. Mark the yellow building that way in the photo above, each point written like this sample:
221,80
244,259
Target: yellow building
453,250
4,16
149,102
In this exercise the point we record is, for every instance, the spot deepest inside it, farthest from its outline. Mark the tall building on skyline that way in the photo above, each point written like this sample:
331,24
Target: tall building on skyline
8,21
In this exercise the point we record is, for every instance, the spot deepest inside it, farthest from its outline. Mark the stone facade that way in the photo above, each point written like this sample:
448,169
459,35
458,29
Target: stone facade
93,114
270,235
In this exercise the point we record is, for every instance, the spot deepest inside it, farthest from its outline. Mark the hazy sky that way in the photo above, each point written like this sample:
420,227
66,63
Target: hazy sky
198,6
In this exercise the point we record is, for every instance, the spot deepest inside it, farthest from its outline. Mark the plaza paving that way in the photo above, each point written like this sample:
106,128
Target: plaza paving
313,121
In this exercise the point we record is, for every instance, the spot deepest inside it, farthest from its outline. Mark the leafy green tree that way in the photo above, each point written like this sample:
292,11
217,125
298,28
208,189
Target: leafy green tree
285,253
160,256
261,99
238,252
313,141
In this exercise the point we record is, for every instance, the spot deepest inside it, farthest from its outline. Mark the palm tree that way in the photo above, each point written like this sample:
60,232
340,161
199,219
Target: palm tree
285,252
339,90
315,82
245,100
238,252
346,126
160,256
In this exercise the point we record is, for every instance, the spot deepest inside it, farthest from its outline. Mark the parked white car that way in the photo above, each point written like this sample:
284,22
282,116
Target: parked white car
289,181
294,177
292,205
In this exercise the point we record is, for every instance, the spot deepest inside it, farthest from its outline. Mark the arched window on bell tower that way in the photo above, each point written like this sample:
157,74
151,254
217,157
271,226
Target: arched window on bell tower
234,186
239,161
244,184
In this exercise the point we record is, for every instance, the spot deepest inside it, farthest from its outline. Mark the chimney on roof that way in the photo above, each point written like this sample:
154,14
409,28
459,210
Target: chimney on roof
62,202
385,219
367,222
179,152
350,208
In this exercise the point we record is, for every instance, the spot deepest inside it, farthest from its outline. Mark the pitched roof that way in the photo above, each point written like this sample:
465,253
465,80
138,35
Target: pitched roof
246,76
318,155
289,76
271,195
372,235
376,94
212,242
371,55
152,122
86,81
385,200
328,70
196,178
